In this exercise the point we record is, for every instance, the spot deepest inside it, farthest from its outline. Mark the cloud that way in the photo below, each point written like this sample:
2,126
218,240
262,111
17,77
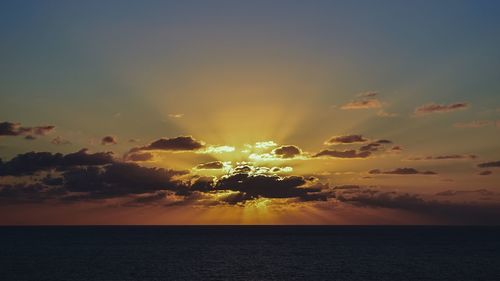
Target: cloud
32,162
445,157
347,139
442,211
343,154
15,129
473,124
374,146
271,186
369,94
482,192
485,173
402,171
367,103
214,165
108,140
176,115
59,141
138,157
118,179
494,164
439,108
287,151
182,143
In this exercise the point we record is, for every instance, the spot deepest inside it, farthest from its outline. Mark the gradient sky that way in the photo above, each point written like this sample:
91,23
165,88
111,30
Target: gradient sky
249,112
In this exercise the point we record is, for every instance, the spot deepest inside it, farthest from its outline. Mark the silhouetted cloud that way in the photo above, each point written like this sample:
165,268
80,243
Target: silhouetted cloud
445,157
343,154
182,143
270,186
447,212
119,179
485,173
494,164
402,171
211,165
347,139
32,162
108,140
439,108
482,192
138,157
287,151
15,129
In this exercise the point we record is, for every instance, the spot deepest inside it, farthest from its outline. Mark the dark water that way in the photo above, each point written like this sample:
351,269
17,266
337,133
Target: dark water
249,253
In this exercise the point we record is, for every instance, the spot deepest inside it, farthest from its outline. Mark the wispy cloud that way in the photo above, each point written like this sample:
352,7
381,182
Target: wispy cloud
439,108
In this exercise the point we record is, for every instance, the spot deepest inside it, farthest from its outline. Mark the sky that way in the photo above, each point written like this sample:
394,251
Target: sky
249,112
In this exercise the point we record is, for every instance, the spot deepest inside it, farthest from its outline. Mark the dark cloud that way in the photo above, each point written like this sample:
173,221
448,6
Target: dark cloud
211,165
343,154
485,173
402,171
108,140
494,164
28,193
347,139
119,179
271,186
15,129
32,162
287,151
442,211
30,137
138,157
182,143
439,108
482,192
445,157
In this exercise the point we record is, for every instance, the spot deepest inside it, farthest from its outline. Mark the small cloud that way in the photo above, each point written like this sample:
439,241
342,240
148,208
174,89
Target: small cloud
494,164
343,154
396,148
445,157
59,141
139,157
485,173
107,140
176,115
369,94
287,151
15,129
29,137
265,144
218,149
214,165
347,139
439,108
401,171
362,104
182,143
117,115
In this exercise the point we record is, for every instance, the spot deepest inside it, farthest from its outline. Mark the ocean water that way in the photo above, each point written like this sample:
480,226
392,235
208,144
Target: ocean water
249,253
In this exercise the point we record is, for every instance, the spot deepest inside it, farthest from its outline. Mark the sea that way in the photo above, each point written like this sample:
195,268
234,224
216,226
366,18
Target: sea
147,253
